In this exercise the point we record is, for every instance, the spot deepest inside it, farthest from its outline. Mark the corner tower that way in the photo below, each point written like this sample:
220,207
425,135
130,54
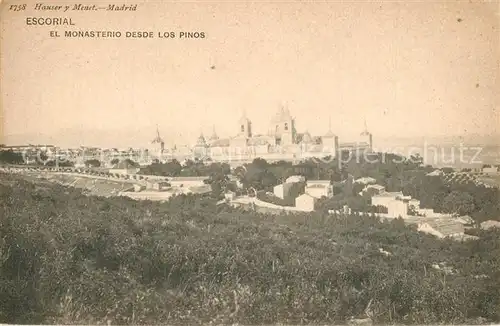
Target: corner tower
366,137
245,126
283,127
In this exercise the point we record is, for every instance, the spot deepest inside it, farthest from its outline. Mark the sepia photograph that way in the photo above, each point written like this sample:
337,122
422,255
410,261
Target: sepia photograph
233,162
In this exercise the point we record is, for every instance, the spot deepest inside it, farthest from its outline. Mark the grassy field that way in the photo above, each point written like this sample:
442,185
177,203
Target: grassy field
70,258
94,186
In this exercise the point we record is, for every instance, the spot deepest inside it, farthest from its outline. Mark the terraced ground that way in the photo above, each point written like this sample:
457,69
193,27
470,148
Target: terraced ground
490,180
97,187
66,258
477,178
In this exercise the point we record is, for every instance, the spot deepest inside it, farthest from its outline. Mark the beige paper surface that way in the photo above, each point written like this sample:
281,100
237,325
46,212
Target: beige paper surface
406,69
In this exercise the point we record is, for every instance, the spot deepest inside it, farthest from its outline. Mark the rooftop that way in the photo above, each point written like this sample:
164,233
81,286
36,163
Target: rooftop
317,185
389,194
380,187
435,173
311,182
188,178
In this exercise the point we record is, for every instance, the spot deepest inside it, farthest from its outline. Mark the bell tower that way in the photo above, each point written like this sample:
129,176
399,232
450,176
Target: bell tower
366,137
330,141
283,127
159,141
245,126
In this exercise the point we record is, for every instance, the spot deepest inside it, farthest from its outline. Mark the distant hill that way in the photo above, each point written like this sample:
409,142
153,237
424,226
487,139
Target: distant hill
120,138
142,136
467,139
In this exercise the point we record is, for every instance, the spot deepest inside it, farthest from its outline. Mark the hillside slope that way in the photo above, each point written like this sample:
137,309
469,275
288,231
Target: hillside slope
70,258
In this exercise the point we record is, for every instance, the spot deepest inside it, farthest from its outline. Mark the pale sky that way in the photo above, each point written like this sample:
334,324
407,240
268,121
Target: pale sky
408,68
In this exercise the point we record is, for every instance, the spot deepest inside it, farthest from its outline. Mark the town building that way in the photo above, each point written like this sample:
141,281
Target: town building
310,183
397,208
374,189
295,178
283,190
365,180
138,187
157,185
306,203
384,198
396,203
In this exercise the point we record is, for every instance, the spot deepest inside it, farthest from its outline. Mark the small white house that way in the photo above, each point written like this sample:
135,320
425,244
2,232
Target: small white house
138,188
385,198
306,203
490,170
397,208
157,186
282,190
377,189
317,182
365,180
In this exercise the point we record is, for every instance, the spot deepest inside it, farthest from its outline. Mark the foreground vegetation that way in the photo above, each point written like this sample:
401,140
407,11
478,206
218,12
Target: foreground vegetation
70,258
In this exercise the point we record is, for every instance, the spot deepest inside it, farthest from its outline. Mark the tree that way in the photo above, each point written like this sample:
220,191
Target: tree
460,203
217,167
218,182
172,169
131,163
258,178
447,170
93,163
11,157
357,188
260,163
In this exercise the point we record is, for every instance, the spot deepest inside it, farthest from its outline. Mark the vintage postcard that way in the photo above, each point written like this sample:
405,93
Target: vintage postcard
249,162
